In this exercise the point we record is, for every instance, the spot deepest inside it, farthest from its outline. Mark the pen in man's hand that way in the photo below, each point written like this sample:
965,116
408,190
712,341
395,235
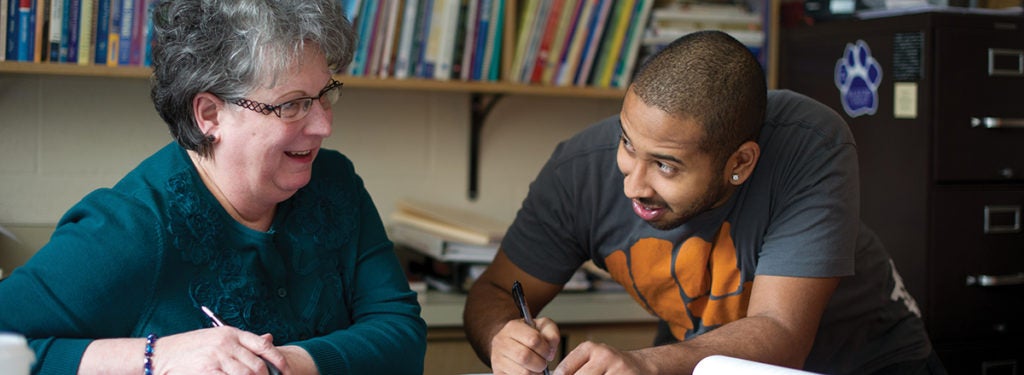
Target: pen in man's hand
524,310
218,323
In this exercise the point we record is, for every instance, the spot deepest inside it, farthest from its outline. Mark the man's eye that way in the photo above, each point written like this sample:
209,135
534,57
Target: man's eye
666,168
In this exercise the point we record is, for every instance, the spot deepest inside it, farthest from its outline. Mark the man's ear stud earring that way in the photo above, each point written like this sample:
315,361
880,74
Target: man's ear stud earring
735,176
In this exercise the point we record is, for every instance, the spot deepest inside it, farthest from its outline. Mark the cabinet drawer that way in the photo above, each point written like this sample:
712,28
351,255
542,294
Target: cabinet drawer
976,263
979,119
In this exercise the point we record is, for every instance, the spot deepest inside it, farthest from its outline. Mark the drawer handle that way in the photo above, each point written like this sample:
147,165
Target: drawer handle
1002,219
996,122
1005,62
995,280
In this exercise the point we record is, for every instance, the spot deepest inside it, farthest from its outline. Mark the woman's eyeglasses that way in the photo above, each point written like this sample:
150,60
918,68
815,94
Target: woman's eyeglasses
295,109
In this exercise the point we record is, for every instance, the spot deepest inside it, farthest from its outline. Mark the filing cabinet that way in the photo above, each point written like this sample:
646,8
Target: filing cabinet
936,105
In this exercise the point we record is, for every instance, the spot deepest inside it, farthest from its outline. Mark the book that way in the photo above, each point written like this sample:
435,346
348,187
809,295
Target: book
439,247
437,38
24,31
495,42
459,45
102,38
594,37
404,53
138,39
114,32
611,46
419,38
4,4
624,68
85,32
547,37
451,223
522,40
376,38
570,12
449,26
125,30
40,41
390,38
569,62
536,35
364,28
56,19
480,40
469,38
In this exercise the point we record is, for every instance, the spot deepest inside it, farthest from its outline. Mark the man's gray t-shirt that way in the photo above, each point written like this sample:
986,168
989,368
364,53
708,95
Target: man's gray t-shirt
797,215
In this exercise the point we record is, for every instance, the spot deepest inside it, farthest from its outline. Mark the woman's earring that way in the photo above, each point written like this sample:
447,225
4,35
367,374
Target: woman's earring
735,177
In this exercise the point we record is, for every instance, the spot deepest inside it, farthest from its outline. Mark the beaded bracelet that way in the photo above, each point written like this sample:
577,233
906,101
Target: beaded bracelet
147,366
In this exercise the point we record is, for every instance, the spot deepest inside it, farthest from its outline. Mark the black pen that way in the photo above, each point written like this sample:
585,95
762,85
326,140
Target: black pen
524,310
218,323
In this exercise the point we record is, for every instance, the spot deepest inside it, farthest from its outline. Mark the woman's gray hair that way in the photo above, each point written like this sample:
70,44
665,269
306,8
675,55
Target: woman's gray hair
231,47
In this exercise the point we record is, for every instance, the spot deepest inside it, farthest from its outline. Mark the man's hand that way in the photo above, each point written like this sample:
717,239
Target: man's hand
595,358
519,348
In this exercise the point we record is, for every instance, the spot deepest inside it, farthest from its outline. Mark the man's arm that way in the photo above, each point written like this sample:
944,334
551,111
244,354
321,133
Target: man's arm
780,326
491,317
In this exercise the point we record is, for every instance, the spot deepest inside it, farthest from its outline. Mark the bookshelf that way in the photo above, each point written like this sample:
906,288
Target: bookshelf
483,94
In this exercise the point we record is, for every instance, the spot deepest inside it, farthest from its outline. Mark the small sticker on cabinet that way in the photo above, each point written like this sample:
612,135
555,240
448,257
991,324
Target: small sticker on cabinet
857,77
904,102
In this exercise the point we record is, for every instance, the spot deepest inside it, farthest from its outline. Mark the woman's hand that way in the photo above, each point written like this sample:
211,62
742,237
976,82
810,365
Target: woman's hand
219,350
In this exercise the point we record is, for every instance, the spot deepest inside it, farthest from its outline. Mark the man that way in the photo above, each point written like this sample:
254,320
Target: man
739,229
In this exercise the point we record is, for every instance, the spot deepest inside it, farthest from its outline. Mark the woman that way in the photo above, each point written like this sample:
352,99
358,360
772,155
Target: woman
245,215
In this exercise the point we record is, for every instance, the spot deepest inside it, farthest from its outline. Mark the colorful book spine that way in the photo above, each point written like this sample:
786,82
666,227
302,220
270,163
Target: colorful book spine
624,68
571,56
570,12
495,42
147,34
420,36
612,44
590,49
24,31
550,28
124,50
137,40
480,40
390,38
4,31
74,29
39,29
403,56
102,32
522,39
364,25
56,19
114,33
536,34
85,31
446,40
469,39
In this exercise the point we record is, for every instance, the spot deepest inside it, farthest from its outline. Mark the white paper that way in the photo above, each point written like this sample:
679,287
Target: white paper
720,364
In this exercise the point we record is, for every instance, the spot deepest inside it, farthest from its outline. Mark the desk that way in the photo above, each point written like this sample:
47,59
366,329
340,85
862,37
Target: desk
608,317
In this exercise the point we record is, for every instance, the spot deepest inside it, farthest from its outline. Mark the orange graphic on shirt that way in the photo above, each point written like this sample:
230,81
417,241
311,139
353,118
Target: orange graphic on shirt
703,284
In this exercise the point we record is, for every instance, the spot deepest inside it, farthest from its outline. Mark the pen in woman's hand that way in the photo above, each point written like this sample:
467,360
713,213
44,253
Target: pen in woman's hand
218,323
524,310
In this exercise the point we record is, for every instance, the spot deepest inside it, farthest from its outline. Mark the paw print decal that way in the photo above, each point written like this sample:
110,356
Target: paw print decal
857,76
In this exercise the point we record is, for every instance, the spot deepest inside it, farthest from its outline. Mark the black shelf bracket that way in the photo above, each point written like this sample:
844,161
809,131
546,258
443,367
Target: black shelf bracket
480,106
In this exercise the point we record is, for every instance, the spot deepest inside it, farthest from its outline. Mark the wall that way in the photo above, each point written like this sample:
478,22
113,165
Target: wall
61,137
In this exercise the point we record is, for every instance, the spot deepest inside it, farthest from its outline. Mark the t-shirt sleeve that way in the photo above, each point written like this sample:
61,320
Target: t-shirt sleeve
815,201
551,235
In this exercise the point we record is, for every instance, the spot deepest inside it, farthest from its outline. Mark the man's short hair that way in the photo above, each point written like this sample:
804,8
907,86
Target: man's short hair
709,77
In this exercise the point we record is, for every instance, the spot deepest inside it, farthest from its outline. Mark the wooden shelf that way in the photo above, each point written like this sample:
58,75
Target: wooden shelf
497,88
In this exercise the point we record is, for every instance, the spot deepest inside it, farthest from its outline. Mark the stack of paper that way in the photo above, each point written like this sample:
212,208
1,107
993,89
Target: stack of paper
446,234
